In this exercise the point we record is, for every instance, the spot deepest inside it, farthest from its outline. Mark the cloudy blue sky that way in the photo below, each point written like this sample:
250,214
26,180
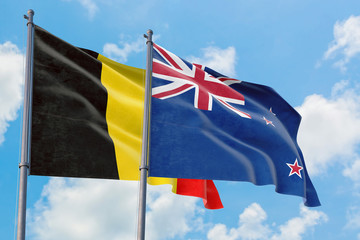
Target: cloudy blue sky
308,51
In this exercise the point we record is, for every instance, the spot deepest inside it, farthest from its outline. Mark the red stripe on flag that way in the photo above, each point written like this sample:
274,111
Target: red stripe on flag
167,57
173,91
204,189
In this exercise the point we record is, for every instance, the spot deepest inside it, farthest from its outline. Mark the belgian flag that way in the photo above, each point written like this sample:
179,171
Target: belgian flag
87,117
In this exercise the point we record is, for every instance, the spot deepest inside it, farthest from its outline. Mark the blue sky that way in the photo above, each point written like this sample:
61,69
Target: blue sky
308,51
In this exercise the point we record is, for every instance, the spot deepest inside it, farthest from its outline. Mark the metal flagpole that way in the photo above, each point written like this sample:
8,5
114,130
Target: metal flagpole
145,139
26,131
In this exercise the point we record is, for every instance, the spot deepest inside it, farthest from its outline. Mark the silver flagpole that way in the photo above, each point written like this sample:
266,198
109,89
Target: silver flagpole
145,139
26,131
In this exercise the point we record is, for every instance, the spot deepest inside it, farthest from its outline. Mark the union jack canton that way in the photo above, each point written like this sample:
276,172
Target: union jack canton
185,76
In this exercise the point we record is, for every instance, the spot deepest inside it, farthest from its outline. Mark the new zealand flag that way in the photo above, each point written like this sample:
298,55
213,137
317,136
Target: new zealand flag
208,126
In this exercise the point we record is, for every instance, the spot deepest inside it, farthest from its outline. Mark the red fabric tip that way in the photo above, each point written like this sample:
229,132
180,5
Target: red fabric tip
204,189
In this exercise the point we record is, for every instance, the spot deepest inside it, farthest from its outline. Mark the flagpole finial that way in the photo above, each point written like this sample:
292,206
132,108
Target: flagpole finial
30,16
149,36
31,12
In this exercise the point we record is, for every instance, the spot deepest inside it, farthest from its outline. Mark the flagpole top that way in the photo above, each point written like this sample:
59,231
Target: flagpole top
30,16
149,36
30,12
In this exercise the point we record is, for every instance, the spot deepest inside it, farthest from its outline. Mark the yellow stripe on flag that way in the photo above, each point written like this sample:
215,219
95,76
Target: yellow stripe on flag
124,114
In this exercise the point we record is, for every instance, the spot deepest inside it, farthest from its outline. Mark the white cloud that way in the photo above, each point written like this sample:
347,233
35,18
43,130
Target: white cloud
346,41
353,172
85,209
353,218
103,209
252,226
11,82
171,215
251,223
296,227
90,6
221,60
113,51
330,128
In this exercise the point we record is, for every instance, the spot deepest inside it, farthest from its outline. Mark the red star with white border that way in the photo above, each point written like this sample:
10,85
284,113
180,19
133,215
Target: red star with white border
268,122
295,168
